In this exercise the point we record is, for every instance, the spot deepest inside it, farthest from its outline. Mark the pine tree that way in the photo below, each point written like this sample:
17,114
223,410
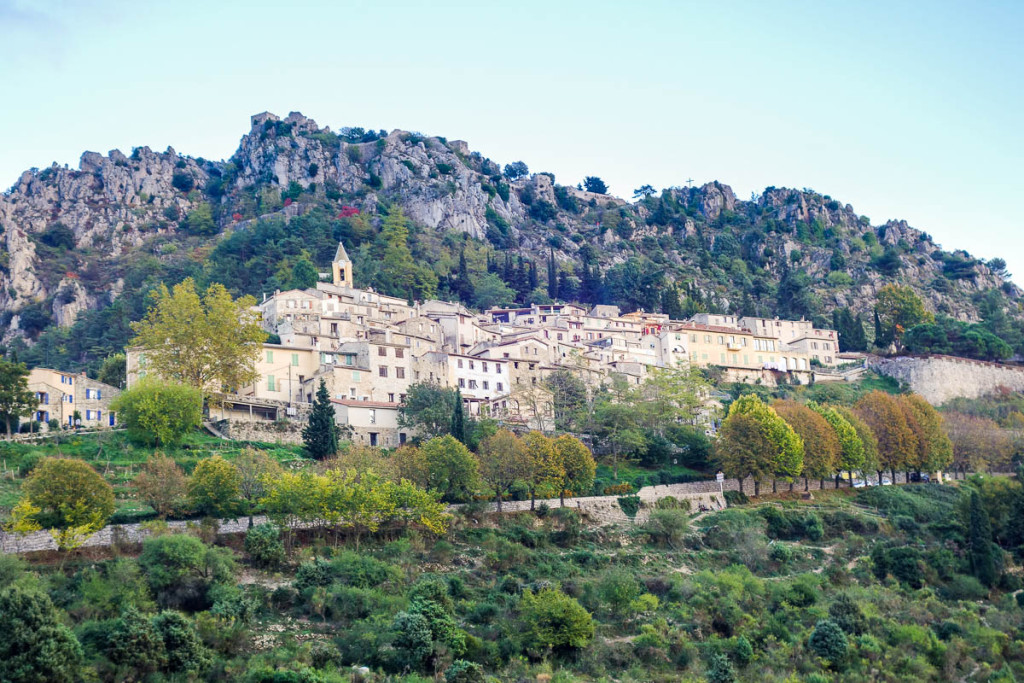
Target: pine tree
458,424
321,434
979,539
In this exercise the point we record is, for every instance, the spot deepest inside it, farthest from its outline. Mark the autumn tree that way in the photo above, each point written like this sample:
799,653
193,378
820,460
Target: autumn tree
760,445
866,436
935,450
851,447
16,400
503,462
821,445
210,342
544,470
978,443
897,443
576,466
162,485
159,413
74,500
215,487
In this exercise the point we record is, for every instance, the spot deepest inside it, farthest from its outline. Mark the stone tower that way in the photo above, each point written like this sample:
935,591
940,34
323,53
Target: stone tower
341,268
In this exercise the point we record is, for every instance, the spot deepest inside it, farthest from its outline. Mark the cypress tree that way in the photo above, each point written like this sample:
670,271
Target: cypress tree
979,539
458,424
321,434
552,275
531,269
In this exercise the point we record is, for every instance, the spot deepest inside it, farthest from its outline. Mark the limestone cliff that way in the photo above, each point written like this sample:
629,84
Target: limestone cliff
69,235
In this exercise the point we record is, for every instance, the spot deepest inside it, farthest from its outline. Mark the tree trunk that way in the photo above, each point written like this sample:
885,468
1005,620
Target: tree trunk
880,473
757,487
893,472
792,483
531,500
561,498
775,485
807,484
499,501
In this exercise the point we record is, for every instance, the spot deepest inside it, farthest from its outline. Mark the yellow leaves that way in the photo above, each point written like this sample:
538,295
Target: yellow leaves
210,342
351,500
22,522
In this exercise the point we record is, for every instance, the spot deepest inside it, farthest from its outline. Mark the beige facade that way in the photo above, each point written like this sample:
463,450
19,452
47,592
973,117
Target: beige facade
72,399
373,423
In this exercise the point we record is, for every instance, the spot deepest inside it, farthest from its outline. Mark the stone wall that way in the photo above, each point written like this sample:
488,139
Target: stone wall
284,431
941,378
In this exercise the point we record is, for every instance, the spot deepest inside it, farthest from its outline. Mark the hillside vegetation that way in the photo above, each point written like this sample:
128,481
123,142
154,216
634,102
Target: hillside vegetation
82,248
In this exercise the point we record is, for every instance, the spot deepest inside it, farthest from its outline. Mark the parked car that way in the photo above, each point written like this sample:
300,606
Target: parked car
859,483
886,481
920,476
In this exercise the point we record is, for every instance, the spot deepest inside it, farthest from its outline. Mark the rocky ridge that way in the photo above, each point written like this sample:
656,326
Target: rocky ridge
66,231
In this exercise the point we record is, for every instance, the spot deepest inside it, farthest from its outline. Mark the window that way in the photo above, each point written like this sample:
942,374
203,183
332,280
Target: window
391,398
501,387
486,385
399,353
356,376
484,365
400,373
295,360
382,371
472,384
462,383
460,362
382,351
721,339
497,369
707,338
373,416
271,386
471,365
270,356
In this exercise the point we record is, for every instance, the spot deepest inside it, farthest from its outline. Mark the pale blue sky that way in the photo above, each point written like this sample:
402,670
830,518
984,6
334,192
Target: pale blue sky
902,109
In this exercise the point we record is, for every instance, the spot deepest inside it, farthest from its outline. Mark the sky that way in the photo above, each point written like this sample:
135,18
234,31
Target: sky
906,110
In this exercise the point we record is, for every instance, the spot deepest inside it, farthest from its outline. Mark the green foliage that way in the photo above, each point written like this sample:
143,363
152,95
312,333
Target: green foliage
979,539
215,488
321,433
427,408
70,494
159,413
451,468
16,400
829,642
629,505
552,620
35,647
199,221
180,570
263,543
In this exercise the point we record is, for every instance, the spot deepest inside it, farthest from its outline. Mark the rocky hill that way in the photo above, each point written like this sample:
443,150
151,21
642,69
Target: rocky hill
75,242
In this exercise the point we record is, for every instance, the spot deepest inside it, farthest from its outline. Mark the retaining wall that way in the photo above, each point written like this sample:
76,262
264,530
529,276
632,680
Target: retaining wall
941,378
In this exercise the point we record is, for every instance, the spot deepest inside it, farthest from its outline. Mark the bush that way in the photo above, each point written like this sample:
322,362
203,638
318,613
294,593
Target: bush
263,543
159,413
962,587
736,498
630,505
668,527
462,671
829,642
182,181
551,620
181,569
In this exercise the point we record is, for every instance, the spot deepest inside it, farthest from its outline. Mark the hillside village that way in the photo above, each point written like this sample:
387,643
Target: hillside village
369,348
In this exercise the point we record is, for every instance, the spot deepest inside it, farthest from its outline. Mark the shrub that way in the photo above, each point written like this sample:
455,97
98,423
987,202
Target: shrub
462,671
847,614
181,569
158,413
263,543
829,642
630,505
552,620
962,587
668,527
34,644
69,493
182,181
720,669
736,498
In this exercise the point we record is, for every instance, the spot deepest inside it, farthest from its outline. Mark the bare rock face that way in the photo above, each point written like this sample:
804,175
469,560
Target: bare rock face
716,198
19,285
71,299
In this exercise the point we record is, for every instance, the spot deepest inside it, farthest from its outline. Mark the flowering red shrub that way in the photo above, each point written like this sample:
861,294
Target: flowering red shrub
348,212
288,202
236,216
